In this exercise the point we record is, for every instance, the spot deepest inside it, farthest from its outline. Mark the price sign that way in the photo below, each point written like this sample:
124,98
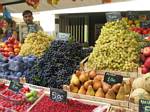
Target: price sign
145,24
58,95
113,16
63,36
132,15
111,78
15,86
144,105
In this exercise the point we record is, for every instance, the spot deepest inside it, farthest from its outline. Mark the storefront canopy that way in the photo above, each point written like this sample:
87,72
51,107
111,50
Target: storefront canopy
17,6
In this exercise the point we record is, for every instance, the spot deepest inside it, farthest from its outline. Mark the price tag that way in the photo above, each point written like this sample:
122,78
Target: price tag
145,24
58,95
144,105
111,78
15,86
113,16
63,36
132,15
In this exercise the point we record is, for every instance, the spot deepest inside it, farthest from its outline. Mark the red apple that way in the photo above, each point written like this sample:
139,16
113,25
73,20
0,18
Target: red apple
144,70
27,89
1,49
10,45
146,51
11,39
10,49
147,38
147,62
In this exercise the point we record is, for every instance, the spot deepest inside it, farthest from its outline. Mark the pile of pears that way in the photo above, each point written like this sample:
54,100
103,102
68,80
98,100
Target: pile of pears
117,48
91,83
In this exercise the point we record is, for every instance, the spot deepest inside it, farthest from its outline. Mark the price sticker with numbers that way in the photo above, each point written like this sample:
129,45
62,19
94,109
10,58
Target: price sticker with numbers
111,78
58,95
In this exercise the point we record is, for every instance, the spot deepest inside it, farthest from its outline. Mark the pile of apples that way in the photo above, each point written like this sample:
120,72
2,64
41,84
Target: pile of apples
10,47
145,59
142,31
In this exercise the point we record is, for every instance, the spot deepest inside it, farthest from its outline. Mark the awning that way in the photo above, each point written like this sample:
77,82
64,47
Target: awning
44,6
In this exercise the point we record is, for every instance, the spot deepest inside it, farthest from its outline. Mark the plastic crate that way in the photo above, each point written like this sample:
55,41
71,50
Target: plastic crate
16,66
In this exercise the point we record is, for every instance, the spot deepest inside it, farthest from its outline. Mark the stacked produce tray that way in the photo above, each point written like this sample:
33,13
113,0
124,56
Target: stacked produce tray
11,101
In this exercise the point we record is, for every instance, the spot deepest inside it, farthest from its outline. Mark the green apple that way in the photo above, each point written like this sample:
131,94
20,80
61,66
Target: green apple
31,99
29,95
34,93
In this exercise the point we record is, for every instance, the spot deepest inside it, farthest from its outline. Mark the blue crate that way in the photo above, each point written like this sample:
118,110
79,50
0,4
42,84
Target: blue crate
16,66
4,67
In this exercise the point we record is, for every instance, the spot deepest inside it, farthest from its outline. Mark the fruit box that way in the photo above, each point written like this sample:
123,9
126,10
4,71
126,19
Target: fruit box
119,109
134,106
35,102
88,102
98,99
133,74
92,103
16,102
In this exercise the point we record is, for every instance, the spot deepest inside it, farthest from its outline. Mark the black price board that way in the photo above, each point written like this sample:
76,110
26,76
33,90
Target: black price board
132,15
15,86
144,105
58,95
63,36
111,78
145,24
113,16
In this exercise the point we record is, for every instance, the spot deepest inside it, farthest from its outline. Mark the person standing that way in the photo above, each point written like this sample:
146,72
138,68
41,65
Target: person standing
30,26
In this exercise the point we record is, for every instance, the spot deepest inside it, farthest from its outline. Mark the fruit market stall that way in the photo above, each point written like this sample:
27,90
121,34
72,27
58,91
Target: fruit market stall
107,77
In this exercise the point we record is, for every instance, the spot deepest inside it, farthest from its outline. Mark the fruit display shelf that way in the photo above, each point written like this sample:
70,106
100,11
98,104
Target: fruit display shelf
133,74
22,101
71,105
123,104
119,109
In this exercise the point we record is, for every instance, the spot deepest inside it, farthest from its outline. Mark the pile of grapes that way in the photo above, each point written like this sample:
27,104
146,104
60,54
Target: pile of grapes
57,64
117,48
35,44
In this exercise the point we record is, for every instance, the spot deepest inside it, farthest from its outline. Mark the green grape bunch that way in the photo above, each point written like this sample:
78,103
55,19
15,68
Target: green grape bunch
117,48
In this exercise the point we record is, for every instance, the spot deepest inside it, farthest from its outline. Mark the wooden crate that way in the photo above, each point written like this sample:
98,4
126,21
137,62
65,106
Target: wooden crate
134,74
94,98
29,109
134,106
113,108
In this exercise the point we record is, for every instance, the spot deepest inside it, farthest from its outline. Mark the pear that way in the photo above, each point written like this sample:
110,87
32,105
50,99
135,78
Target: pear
105,87
90,91
73,88
96,84
98,77
127,88
92,74
110,94
87,83
116,87
82,90
78,73
75,80
121,93
83,77
100,93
